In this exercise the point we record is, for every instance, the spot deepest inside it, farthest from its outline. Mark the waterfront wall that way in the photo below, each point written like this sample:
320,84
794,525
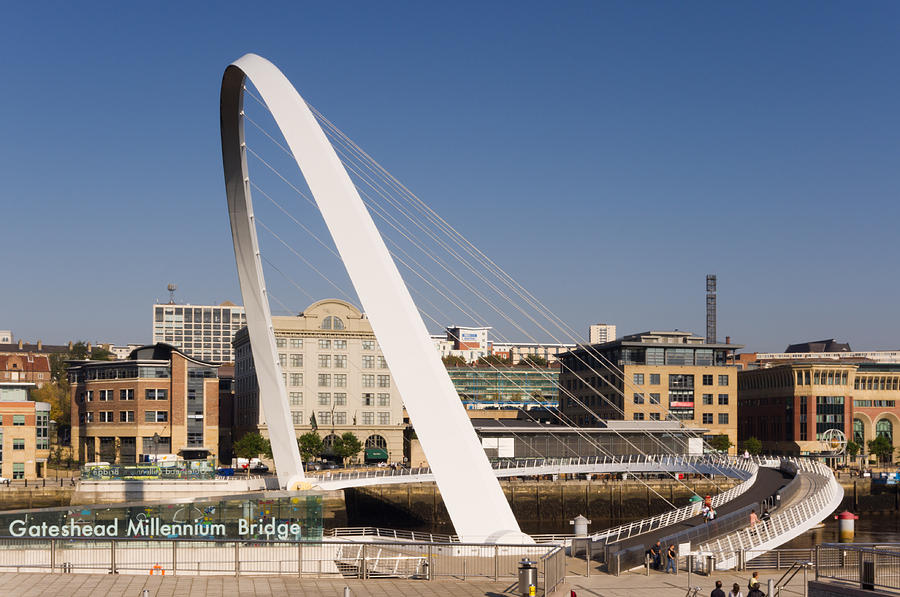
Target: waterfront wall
860,495
540,506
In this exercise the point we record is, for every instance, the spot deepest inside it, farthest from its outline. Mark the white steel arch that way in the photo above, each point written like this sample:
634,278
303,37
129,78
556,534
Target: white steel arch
470,490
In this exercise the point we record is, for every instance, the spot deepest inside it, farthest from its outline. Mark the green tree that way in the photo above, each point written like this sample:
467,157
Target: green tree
251,445
452,360
492,360
534,360
347,446
310,445
882,448
720,443
753,445
853,449
101,354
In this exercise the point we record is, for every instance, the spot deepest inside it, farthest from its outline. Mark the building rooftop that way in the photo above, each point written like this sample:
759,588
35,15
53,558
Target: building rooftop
819,346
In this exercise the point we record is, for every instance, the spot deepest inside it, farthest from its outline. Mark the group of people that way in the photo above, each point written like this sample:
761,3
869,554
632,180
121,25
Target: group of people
753,588
655,554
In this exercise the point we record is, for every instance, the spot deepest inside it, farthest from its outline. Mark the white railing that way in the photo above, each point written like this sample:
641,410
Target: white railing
671,517
785,523
707,464
397,534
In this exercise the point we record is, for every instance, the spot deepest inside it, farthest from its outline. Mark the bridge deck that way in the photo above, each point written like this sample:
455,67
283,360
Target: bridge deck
768,482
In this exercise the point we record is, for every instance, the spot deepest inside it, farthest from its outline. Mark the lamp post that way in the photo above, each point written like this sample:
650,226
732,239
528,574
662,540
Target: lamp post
156,449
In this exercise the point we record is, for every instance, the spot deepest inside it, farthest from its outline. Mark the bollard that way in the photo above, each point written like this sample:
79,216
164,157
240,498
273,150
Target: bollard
145,593
845,526
346,591
771,587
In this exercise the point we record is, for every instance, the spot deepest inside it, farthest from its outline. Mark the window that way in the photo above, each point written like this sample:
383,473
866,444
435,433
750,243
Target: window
384,381
638,398
638,416
282,359
296,360
707,418
156,416
384,399
723,399
654,379
340,399
105,395
297,417
382,364
340,345
324,343
297,343
340,418
368,345
368,399
368,381
19,420
89,396
18,470
323,417
106,416
126,394
296,398
332,323
707,380
88,417
723,418
324,380
126,416
296,380
340,380
654,416
638,379
325,361
368,361
18,443
281,342
324,398
156,394
368,418
707,399
340,361
384,418
723,380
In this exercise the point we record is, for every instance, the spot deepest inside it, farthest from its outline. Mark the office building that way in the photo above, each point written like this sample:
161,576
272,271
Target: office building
506,387
158,401
24,433
335,375
667,375
789,406
204,332
601,332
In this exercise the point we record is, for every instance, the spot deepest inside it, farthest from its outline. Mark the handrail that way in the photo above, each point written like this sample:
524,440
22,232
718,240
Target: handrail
793,570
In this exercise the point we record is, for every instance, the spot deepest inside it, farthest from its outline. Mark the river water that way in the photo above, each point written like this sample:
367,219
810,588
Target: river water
870,528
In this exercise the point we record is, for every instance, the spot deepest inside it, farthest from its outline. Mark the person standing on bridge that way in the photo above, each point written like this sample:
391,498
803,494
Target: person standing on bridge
753,520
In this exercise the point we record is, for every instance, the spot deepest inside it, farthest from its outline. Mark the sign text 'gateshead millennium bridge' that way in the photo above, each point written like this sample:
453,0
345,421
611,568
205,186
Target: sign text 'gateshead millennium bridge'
154,527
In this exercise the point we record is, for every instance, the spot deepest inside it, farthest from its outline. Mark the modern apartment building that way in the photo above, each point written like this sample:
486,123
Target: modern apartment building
667,375
158,401
601,332
335,375
203,332
789,406
24,433
506,387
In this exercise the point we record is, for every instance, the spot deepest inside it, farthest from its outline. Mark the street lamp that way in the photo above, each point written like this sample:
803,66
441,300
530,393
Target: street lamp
156,449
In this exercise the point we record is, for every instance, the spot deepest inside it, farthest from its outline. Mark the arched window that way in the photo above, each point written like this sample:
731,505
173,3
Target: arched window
859,432
884,428
328,441
332,323
376,441
376,449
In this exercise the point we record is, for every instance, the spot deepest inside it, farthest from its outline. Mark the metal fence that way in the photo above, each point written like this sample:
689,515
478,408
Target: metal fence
318,559
869,567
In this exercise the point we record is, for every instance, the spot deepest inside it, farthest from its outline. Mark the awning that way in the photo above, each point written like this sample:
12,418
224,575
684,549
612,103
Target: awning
376,454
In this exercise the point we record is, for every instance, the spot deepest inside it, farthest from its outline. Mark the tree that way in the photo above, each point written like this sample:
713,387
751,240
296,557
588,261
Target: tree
534,360
882,448
310,445
101,354
853,449
58,397
753,445
347,446
720,443
453,360
492,360
251,445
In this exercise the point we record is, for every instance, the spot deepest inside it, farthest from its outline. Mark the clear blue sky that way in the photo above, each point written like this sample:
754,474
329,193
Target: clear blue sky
637,146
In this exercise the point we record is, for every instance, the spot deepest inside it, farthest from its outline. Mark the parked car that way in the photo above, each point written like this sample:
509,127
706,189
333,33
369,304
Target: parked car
259,467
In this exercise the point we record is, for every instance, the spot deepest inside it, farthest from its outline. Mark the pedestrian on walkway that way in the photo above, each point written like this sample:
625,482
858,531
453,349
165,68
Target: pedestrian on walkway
754,581
735,591
672,559
717,592
753,519
656,555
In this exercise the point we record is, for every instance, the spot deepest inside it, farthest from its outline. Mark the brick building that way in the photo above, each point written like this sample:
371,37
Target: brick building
118,407
24,433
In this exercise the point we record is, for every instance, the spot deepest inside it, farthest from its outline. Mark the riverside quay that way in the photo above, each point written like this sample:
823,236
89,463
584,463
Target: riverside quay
271,516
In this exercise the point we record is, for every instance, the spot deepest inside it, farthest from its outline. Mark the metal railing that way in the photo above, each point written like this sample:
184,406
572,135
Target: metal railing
868,567
787,522
363,560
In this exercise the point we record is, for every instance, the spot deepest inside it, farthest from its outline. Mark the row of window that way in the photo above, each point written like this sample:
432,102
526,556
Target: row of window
707,418
876,383
127,394
638,379
18,420
875,403
323,343
126,416
340,399
324,417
